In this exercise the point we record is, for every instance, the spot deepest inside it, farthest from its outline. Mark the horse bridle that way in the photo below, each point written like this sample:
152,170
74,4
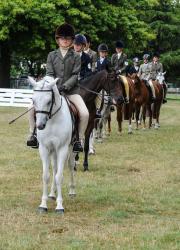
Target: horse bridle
49,113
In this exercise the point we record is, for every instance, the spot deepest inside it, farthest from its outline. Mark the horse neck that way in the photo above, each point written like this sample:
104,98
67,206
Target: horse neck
96,85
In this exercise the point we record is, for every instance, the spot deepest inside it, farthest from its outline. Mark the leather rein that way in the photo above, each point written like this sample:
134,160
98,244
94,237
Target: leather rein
49,113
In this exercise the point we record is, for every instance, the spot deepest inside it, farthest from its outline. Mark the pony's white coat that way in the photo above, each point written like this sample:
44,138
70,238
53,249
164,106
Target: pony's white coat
54,139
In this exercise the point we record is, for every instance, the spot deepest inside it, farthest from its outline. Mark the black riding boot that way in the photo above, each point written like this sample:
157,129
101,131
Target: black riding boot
98,114
32,140
150,92
77,147
165,92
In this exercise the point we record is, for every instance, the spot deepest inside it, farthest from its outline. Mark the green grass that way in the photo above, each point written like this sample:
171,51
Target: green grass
129,200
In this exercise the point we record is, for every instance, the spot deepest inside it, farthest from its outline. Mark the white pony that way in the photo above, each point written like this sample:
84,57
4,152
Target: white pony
54,132
160,77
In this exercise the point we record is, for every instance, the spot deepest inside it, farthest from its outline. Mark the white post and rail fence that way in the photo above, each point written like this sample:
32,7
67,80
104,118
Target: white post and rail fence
23,97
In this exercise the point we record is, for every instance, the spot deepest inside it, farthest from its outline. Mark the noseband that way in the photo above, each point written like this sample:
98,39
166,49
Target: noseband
49,113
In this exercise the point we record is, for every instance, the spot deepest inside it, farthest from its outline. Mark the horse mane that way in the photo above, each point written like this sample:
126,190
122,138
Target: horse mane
93,78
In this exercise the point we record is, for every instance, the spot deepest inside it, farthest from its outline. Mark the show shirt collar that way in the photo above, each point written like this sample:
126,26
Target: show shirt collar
119,55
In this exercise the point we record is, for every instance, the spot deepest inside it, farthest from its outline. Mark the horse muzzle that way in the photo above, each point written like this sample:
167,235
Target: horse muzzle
41,126
120,100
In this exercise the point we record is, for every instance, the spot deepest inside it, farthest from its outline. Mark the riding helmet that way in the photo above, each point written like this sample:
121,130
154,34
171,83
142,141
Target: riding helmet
80,39
88,38
135,59
65,30
130,70
146,56
119,44
103,47
156,54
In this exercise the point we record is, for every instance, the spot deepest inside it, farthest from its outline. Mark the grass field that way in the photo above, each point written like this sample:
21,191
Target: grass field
129,200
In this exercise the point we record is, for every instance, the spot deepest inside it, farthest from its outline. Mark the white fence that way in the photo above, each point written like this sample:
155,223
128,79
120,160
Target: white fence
174,90
22,97
15,97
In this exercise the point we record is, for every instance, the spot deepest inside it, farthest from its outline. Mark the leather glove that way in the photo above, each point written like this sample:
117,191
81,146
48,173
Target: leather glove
62,88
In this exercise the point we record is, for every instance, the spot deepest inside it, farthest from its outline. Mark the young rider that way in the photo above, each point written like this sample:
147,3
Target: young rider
65,64
79,45
119,63
144,74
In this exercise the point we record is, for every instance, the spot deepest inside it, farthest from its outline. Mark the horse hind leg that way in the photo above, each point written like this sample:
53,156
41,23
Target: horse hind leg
71,165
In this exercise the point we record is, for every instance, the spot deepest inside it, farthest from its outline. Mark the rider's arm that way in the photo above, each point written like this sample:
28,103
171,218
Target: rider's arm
72,81
49,66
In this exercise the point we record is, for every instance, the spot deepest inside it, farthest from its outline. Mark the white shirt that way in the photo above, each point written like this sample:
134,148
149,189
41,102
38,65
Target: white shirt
101,60
119,55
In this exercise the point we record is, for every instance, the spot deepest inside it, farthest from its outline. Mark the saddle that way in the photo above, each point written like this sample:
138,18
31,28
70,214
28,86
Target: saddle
75,120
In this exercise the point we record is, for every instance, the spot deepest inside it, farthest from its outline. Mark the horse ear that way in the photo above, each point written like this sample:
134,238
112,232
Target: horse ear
54,82
32,81
164,73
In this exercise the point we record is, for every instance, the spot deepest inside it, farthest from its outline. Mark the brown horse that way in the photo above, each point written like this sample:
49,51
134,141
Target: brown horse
142,101
156,106
139,98
89,89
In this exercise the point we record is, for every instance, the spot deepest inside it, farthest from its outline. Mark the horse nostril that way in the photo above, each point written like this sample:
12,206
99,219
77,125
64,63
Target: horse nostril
120,100
41,127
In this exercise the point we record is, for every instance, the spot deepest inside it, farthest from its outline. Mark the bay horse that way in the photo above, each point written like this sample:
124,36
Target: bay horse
156,106
142,101
89,89
54,132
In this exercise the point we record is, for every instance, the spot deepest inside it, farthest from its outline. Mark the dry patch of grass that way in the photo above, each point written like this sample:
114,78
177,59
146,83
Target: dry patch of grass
128,200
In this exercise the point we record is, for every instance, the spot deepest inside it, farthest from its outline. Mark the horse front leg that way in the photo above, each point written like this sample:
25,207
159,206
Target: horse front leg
71,165
137,112
91,144
119,118
86,148
62,155
109,124
52,194
150,115
130,120
144,116
44,154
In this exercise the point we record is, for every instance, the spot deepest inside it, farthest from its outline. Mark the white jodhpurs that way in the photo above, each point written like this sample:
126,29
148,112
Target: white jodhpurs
83,113
152,87
31,119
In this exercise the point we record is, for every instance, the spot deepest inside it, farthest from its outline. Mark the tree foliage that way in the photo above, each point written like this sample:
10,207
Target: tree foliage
27,26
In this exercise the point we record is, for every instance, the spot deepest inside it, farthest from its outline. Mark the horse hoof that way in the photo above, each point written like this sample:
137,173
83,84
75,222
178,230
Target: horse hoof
72,195
86,169
130,132
42,210
52,197
60,211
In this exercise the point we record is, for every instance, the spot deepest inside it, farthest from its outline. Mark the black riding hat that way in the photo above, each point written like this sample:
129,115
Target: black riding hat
65,30
156,54
119,44
80,39
88,38
103,47
130,70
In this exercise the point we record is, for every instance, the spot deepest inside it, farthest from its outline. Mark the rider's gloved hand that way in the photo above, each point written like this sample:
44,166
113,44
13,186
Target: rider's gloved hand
62,88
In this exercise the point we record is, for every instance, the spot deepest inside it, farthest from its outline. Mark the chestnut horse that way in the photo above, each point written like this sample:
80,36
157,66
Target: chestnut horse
156,106
139,98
